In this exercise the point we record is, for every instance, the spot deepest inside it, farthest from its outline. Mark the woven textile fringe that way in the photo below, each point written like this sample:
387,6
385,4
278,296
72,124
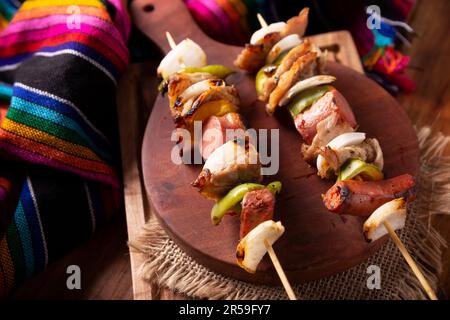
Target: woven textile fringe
168,266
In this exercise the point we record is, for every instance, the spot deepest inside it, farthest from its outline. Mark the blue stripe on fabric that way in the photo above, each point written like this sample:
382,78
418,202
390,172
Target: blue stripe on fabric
62,108
15,59
25,238
59,119
88,51
34,224
85,50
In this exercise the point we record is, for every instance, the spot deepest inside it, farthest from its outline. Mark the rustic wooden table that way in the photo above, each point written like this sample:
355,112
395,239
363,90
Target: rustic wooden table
104,259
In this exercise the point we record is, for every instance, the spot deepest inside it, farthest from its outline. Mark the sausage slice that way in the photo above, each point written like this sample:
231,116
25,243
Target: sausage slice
257,206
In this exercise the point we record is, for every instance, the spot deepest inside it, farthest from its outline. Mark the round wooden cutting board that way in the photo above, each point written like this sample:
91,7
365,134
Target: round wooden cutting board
316,243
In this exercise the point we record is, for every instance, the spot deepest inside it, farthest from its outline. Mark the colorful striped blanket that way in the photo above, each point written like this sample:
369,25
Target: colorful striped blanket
60,61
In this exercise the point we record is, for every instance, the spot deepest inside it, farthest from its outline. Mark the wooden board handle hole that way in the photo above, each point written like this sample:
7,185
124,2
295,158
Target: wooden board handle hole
148,7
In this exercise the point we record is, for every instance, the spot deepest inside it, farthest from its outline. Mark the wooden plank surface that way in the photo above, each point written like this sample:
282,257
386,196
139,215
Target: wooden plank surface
133,110
105,256
341,48
105,269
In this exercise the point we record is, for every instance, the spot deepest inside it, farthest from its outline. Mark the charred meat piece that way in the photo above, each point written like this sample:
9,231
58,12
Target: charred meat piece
297,24
253,57
228,93
286,64
218,130
179,82
215,101
186,99
303,67
361,198
257,206
307,121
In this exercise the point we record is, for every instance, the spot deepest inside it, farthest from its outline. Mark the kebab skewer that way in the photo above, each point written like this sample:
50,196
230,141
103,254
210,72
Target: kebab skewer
326,123
232,170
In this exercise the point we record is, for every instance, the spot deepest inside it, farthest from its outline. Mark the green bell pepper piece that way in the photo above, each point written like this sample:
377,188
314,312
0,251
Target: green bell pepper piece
216,70
266,72
274,187
354,167
235,196
262,76
306,98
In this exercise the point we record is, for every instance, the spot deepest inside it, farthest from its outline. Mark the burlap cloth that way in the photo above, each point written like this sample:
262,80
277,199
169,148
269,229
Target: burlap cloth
168,266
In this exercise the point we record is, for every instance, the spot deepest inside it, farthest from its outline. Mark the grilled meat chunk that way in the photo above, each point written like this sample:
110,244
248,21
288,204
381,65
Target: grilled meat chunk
327,129
179,82
304,67
285,65
218,130
253,57
215,101
307,121
297,24
257,206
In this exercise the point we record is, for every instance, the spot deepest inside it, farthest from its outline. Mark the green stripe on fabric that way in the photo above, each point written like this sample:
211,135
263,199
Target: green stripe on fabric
46,126
15,248
60,119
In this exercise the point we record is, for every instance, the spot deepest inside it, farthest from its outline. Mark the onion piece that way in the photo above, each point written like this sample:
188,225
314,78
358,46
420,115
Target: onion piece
251,249
379,160
394,212
283,45
231,153
186,54
344,140
198,88
347,139
305,84
192,92
271,28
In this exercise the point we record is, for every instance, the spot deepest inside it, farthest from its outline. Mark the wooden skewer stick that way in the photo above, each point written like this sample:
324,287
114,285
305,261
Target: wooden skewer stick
269,248
170,40
172,43
414,267
280,271
261,20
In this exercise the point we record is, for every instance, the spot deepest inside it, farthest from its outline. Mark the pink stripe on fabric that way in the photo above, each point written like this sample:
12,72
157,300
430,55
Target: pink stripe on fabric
122,19
42,23
35,158
37,35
